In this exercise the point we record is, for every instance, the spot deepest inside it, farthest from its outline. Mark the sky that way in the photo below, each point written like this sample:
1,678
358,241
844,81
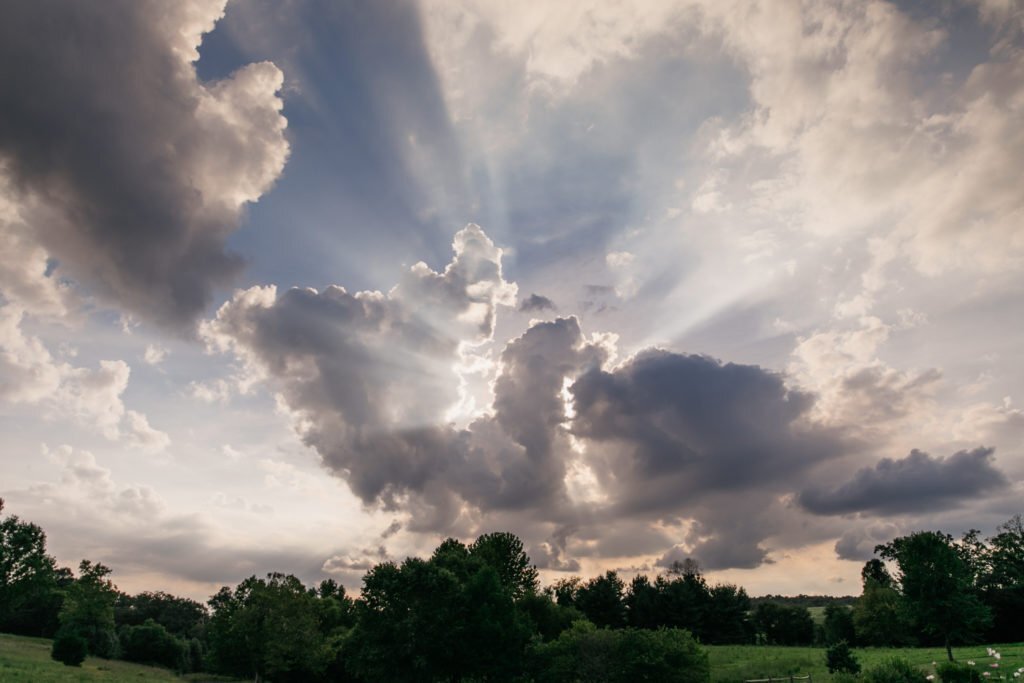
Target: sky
304,286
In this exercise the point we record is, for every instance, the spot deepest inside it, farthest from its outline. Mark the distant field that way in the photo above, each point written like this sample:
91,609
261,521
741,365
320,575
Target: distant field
731,663
28,659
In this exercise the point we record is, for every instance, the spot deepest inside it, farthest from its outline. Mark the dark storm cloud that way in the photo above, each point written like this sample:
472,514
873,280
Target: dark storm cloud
917,483
682,426
536,302
132,172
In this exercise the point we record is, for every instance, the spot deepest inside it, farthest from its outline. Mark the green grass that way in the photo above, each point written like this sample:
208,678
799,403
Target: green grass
28,659
731,663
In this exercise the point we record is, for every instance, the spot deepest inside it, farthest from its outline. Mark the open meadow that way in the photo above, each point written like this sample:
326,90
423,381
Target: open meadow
731,663
28,659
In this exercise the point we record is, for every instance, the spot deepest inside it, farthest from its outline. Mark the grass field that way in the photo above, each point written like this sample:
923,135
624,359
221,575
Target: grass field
731,663
28,659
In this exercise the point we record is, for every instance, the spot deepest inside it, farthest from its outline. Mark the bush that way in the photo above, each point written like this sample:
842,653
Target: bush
69,649
840,660
955,672
151,643
586,653
895,670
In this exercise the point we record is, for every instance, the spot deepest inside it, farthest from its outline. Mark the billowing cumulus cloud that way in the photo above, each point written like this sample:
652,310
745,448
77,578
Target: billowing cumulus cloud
131,177
916,483
681,426
571,444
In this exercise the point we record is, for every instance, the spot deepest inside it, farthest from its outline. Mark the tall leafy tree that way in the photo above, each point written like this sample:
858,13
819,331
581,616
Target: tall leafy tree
1002,581
504,552
879,618
31,585
88,609
268,629
601,600
938,587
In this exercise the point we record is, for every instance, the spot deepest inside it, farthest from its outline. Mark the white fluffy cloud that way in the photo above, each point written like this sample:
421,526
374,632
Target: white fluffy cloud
30,374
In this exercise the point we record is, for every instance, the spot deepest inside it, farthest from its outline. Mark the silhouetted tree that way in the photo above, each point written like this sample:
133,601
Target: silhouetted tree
601,600
784,625
938,589
31,585
88,609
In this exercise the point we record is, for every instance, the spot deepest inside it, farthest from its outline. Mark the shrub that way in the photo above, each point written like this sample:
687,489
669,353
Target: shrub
585,653
894,670
840,659
955,672
151,643
69,649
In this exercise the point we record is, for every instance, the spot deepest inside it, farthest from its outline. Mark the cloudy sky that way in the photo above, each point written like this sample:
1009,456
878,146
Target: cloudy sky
307,285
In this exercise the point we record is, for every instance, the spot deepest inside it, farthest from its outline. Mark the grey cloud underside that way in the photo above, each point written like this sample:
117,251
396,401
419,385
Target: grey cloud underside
100,123
916,483
536,302
682,426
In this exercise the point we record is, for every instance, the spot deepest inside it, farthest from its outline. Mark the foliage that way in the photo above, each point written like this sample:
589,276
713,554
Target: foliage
30,583
1001,580
838,624
879,618
88,609
587,654
151,643
269,629
783,625
839,658
70,649
451,617
504,552
957,672
180,616
937,585
894,670
601,600
547,618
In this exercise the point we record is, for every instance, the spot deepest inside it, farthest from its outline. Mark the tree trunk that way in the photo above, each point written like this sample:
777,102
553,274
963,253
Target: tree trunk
949,649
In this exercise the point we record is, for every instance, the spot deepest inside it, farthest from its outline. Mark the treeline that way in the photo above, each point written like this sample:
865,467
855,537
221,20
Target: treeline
477,612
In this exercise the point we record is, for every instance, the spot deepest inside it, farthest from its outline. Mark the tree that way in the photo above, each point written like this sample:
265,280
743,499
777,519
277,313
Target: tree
31,585
784,625
182,617
878,616
268,629
449,618
504,552
684,597
838,624
643,603
938,588
1002,581
88,609
601,600
726,621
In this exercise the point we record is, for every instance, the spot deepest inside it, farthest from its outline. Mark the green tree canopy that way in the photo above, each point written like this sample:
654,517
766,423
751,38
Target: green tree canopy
938,587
